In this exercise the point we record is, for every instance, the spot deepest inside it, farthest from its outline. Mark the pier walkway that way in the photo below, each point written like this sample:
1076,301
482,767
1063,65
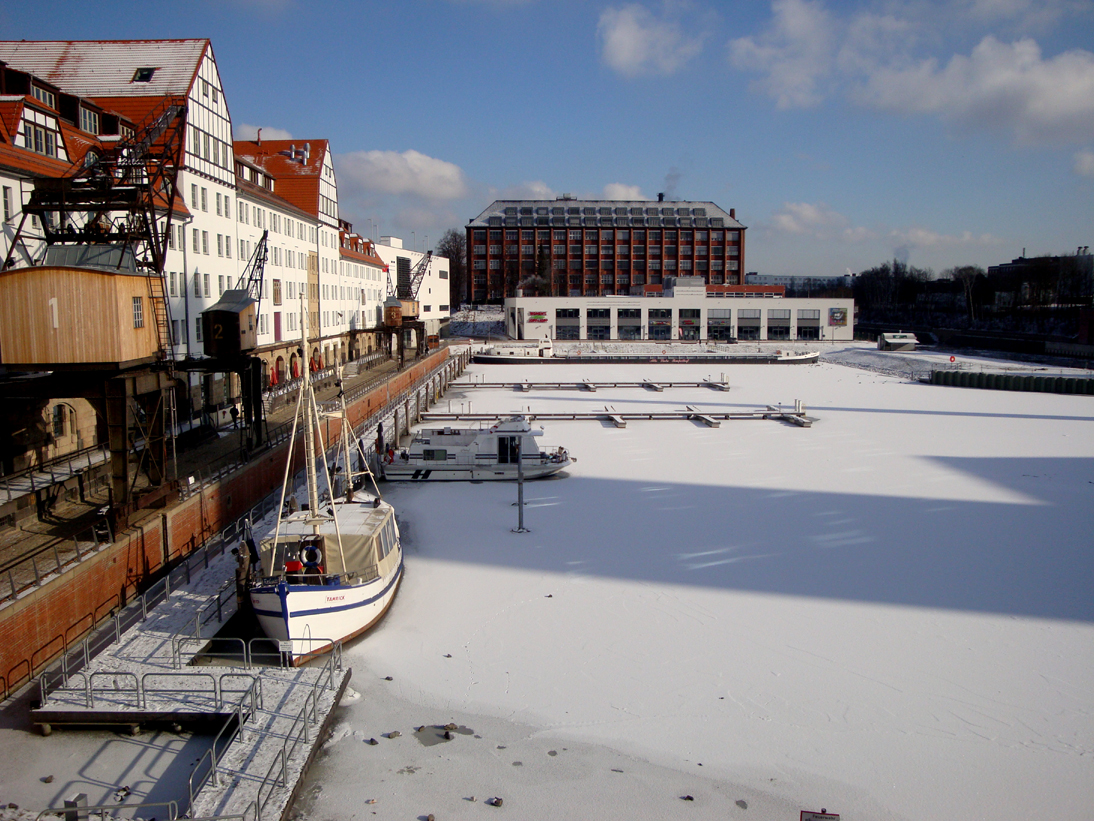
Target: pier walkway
264,722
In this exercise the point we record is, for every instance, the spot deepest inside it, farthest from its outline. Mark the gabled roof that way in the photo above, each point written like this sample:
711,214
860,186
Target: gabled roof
297,178
92,68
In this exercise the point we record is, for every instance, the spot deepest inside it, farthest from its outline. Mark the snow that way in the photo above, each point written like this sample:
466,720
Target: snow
888,615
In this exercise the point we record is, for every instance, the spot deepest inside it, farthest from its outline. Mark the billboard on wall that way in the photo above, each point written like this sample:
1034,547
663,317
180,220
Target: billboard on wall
537,316
837,317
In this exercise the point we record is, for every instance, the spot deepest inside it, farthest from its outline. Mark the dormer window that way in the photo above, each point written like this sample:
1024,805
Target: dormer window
143,75
43,96
89,120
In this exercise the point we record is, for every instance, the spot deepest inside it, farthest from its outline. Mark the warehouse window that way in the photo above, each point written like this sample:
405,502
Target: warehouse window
138,312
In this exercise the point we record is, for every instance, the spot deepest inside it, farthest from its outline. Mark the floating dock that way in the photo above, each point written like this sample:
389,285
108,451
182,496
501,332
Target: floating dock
266,722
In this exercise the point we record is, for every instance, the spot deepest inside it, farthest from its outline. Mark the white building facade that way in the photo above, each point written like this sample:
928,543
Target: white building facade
685,312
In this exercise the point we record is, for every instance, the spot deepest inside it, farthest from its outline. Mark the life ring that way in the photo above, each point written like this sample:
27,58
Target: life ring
663,351
315,562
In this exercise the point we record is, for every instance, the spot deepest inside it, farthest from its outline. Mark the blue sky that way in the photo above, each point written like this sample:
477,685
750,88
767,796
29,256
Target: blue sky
843,133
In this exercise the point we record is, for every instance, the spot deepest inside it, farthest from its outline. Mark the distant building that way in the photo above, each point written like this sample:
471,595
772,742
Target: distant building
799,284
686,309
433,291
570,247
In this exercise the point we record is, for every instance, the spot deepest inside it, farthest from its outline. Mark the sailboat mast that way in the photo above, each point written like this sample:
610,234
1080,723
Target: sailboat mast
310,421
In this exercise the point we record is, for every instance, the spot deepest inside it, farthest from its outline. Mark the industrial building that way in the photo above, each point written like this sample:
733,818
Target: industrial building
686,309
571,247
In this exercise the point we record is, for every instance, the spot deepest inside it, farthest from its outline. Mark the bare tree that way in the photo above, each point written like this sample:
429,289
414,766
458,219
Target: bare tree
453,245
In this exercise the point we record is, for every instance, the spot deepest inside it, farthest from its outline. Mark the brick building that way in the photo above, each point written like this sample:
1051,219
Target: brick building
570,247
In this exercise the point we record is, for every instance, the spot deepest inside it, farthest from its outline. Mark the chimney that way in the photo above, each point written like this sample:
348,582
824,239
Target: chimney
258,139
660,197
733,213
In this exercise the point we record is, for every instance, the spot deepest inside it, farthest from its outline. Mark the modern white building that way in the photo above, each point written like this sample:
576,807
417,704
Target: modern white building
684,311
433,293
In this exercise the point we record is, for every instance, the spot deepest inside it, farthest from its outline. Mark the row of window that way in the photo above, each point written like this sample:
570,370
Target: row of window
592,235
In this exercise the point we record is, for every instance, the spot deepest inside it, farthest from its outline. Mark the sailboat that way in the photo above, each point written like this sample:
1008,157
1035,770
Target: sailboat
333,565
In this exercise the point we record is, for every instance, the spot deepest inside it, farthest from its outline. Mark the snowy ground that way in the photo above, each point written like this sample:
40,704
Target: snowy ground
889,615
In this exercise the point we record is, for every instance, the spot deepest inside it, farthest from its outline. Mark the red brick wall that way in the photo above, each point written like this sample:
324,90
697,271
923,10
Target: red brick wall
36,628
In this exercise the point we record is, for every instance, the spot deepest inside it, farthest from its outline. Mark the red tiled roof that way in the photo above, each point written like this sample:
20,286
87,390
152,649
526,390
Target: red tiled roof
297,182
258,192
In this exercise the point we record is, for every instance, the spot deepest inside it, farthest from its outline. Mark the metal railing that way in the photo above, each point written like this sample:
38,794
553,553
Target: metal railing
51,466
103,811
37,569
78,657
233,726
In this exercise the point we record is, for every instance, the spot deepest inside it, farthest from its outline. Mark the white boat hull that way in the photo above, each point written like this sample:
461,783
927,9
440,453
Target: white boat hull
468,473
314,616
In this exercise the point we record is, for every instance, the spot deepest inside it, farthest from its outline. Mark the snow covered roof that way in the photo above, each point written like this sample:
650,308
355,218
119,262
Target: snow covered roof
606,213
111,68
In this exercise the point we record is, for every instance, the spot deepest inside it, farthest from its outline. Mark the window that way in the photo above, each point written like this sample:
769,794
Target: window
9,207
197,328
220,245
138,312
227,246
227,207
205,280
277,292
205,242
205,88
173,276
143,75
58,420
220,284
89,120
197,240
41,140
204,199
197,285
43,96
219,199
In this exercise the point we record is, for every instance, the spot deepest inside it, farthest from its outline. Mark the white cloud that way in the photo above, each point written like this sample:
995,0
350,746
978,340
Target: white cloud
795,54
246,131
634,42
1084,163
619,191
878,59
408,173
925,238
808,219
534,190
999,85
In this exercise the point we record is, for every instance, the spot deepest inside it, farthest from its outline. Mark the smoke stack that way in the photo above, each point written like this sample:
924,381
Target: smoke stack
660,197
258,139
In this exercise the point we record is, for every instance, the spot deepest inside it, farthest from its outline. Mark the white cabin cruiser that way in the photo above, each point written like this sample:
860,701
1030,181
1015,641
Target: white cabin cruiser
332,567
476,454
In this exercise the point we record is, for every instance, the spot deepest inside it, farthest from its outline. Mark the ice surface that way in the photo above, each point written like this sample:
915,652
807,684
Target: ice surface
888,615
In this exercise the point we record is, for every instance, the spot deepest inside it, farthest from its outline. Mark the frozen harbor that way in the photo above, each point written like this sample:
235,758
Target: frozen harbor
888,614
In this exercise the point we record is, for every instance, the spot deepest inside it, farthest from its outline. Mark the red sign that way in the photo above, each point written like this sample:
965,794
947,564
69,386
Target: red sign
537,316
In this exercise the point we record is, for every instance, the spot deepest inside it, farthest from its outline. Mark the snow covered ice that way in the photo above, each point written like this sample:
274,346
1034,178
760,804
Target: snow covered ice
888,615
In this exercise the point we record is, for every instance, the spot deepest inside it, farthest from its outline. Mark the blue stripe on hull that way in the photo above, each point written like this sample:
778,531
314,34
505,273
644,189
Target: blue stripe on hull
284,590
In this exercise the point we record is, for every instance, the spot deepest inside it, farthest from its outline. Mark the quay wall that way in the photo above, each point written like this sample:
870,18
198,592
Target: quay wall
48,620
